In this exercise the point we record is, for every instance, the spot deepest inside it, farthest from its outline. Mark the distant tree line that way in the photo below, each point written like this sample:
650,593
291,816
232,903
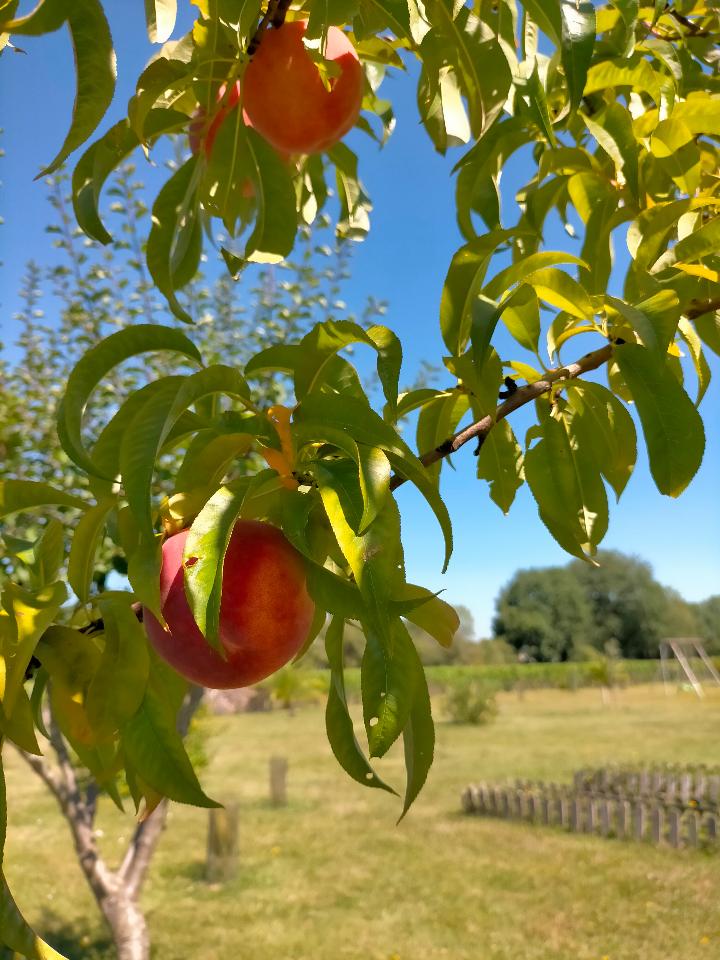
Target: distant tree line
578,611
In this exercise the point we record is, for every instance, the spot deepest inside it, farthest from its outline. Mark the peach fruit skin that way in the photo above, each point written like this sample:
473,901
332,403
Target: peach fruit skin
265,610
285,99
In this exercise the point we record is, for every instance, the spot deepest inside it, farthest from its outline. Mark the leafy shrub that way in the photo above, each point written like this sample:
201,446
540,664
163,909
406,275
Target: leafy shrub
469,700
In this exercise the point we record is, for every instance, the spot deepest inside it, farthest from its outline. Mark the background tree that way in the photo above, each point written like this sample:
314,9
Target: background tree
544,615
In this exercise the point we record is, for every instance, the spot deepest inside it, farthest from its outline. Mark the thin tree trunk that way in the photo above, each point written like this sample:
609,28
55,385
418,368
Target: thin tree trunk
116,892
127,925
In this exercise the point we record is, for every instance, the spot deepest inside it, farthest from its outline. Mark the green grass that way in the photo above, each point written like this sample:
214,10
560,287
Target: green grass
331,876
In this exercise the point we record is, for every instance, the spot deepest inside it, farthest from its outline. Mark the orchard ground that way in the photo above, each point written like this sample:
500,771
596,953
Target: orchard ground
317,879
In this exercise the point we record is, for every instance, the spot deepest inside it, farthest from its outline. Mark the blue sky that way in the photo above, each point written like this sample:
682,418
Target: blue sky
403,261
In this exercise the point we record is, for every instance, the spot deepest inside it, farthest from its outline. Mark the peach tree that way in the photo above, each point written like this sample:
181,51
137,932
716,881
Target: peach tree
615,108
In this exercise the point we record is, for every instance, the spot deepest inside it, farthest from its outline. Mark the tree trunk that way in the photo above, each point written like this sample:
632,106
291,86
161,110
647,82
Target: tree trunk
128,926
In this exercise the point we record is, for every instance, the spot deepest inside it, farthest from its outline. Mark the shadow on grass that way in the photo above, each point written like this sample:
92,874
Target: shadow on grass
73,941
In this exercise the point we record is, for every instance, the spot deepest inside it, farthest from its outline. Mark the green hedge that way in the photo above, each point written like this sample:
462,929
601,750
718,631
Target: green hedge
531,676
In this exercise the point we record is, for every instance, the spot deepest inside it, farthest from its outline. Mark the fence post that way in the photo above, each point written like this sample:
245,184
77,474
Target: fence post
711,827
576,815
623,818
656,824
639,820
604,817
278,781
674,827
466,800
222,843
692,828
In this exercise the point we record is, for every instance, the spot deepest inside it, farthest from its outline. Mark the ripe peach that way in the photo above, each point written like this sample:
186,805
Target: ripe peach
265,610
285,99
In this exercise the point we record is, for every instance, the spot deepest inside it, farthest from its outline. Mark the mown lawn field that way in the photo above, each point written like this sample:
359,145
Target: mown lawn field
332,876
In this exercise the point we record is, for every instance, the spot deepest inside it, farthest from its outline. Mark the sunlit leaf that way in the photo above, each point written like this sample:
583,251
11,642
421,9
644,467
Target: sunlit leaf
673,429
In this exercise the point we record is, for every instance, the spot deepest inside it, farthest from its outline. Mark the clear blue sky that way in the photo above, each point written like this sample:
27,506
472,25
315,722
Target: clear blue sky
404,262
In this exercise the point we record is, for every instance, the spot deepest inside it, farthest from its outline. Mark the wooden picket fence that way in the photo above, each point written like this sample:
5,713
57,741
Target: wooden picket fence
678,807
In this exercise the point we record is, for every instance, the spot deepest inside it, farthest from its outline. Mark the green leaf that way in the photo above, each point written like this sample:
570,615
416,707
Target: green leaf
99,361
388,681
106,449
613,130
463,283
418,737
338,722
273,236
208,541
361,422
85,542
519,271
560,290
635,73
150,428
702,368
500,462
567,486
673,428
522,318
480,65
144,565
427,611
25,618
118,687
94,63
99,160
708,328
155,749
17,496
608,429
20,727
208,459
175,241
438,420
355,205
338,374
323,342
578,41
654,320
160,16
333,593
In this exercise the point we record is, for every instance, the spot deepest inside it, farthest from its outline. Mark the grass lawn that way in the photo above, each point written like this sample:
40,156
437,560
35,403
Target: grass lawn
331,876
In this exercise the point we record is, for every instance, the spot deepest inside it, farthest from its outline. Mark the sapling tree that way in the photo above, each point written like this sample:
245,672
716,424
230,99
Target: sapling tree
613,106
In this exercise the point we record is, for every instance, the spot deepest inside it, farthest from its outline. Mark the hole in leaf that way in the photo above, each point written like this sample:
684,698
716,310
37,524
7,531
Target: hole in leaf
191,561
373,721
369,775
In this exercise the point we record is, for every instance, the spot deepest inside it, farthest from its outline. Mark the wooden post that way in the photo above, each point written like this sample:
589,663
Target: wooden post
222,843
656,824
564,811
604,817
639,820
591,821
692,828
278,781
467,801
685,785
623,818
576,815
545,810
711,827
674,827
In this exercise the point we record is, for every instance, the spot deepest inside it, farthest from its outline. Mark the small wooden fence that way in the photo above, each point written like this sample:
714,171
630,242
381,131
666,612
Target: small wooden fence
668,805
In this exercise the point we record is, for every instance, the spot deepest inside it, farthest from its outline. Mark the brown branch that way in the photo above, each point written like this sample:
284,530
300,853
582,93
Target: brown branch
698,308
275,15
480,429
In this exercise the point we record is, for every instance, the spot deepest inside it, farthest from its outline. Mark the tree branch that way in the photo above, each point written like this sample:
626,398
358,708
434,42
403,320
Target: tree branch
480,429
275,15
698,308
